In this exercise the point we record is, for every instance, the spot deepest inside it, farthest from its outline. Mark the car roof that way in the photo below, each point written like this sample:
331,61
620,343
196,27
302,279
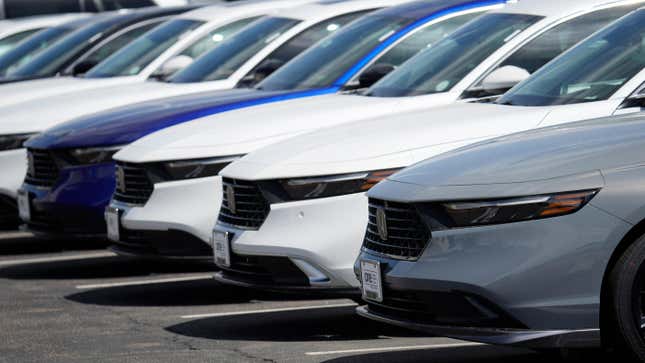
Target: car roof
557,8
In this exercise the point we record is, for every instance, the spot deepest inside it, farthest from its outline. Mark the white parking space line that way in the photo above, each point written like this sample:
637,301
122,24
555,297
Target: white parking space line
268,311
395,349
15,235
57,258
145,282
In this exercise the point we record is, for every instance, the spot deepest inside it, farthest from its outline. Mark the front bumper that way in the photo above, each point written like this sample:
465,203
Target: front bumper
176,222
320,238
75,204
14,168
535,284
536,339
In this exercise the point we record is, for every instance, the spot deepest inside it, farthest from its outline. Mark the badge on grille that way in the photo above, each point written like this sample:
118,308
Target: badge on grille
381,223
230,199
120,179
31,165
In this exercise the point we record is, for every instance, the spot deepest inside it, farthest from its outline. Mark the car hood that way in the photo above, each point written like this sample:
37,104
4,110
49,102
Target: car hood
28,117
20,92
126,124
541,154
386,142
568,157
242,131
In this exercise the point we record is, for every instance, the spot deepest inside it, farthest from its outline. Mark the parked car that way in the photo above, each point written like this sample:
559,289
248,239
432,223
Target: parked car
485,40
115,29
18,54
11,9
345,55
533,239
159,51
313,186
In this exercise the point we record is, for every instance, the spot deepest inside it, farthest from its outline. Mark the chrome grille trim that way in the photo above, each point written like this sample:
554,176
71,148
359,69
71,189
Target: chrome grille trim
407,235
133,186
42,169
251,208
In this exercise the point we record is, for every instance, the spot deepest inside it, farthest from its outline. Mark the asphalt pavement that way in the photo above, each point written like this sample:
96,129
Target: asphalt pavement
64,301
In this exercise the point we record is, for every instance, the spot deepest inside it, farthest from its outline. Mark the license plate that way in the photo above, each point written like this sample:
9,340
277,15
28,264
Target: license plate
113,221
371,279
24,206
222,248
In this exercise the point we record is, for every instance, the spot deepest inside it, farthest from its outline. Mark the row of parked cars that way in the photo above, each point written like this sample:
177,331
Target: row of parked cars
469,168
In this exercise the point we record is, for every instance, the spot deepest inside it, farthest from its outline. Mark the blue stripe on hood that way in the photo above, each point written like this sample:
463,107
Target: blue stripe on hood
127,124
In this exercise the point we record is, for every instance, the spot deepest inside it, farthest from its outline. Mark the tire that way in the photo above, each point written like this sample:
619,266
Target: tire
626,281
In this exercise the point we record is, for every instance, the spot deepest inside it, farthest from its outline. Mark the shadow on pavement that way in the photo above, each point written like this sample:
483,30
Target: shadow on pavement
332,324
185,293
17,243
476,354
97,268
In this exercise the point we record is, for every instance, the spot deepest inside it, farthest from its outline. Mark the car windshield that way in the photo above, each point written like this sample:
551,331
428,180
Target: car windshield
443,65
592,71
51,59
26,50
225,59
137,55
322,65
7,43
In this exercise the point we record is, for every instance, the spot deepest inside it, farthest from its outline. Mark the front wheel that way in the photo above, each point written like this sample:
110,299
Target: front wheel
627,282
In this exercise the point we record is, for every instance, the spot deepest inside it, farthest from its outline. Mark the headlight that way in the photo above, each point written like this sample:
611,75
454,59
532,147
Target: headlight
479,213
197,168
329,186
96,155
12,142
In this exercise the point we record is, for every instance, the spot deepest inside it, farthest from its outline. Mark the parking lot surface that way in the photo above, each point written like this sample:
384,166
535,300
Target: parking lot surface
75,302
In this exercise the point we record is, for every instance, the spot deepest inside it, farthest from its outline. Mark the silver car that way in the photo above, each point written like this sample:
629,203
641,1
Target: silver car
535,239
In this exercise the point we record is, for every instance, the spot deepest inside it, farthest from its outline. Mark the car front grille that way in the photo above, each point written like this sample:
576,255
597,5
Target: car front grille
133,186
42,169
395,230
243,205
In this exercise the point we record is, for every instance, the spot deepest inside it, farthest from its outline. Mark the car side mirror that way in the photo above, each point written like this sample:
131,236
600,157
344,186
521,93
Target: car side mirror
83,67
504,78
637,100
172,66
264,70
374,74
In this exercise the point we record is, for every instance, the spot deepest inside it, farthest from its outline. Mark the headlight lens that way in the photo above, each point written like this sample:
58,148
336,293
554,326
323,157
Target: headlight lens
329,186
96,155
12,142
466,214
197,168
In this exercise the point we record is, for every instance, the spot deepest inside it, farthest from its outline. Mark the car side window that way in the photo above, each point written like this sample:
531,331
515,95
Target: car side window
215,37
22,8
560,38
120,41
9,42
423,39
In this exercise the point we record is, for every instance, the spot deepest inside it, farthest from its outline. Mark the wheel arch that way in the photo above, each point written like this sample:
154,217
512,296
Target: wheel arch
606,315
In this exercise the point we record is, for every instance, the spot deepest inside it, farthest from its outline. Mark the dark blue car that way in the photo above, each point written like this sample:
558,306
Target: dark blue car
70,178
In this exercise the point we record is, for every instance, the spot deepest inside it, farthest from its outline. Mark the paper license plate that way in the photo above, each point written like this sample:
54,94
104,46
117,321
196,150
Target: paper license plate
222,248
113,221
371,279
24,206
